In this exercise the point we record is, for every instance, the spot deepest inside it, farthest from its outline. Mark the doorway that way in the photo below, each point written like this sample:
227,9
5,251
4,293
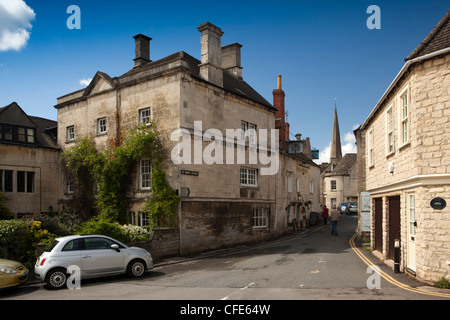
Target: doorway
378,223
394,224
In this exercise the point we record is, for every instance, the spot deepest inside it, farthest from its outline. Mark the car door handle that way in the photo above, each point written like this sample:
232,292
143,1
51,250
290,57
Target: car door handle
85,257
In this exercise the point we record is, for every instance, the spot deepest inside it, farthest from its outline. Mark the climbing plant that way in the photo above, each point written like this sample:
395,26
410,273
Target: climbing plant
81,162
111,171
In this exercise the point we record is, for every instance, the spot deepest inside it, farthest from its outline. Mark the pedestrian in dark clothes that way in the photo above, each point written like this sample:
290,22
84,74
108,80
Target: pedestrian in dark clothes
325,215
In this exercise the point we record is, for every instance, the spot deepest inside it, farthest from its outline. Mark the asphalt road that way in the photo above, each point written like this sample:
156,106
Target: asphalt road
312,265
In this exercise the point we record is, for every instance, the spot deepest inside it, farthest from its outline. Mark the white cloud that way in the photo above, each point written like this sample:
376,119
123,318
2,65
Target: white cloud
15,24
85,82
348,146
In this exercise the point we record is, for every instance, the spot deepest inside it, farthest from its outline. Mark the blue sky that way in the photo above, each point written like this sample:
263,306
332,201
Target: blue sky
323,50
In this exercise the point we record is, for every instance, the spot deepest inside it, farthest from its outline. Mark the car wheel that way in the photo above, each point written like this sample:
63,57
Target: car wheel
136,268
56,278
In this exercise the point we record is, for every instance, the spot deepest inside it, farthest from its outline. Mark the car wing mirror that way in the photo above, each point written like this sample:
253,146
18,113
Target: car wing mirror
115,247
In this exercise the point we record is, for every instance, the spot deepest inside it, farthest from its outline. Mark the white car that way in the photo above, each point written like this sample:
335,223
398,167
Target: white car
95,255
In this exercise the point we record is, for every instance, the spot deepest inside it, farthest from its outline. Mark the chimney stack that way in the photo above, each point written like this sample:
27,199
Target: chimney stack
211,60
280,115
231,59
142,50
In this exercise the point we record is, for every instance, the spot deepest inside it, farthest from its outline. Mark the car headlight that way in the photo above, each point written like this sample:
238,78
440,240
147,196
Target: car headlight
6,269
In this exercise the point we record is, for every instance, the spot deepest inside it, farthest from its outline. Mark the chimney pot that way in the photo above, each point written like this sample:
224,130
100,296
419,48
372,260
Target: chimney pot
142,50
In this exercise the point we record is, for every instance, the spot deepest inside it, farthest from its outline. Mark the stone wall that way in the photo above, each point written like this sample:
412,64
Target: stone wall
163,242
212,224
420,167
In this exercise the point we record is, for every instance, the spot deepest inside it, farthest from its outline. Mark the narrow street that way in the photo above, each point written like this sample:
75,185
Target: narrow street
311,265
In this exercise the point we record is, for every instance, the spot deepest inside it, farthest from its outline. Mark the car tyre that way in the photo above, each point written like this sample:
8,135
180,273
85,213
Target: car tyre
136,268
56,278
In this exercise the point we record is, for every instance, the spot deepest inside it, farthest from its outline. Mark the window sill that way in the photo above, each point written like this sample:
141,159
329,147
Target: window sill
390,154
249,186
262,228
404,146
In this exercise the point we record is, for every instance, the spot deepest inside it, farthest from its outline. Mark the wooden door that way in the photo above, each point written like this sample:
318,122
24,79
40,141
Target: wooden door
394,223
378,224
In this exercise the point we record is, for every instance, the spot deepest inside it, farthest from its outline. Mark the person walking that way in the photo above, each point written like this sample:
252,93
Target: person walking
334,220
325,215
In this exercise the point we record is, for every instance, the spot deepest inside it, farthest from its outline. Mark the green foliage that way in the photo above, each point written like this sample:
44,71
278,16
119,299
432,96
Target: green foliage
82,162
135,233
5,213
111,171
20,238
443,283
161,208
101,226
123,233
114,176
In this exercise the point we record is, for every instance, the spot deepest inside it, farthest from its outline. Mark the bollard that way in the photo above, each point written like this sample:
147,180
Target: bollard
396,255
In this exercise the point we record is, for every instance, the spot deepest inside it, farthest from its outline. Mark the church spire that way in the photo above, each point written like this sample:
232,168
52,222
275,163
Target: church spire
336,150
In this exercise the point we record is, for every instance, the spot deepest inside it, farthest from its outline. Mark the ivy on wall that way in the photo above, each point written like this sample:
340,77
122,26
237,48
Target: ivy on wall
111,169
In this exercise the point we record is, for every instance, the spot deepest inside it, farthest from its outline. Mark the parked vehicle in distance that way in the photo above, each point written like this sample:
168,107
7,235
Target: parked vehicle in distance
342,207
352,208
95,255
12,273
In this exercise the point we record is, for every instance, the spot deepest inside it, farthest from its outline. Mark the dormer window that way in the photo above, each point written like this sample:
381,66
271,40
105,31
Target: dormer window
17,134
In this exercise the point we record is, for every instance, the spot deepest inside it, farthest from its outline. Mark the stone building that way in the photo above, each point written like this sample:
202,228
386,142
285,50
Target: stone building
29,162
221,203
408,161
298,181
339,179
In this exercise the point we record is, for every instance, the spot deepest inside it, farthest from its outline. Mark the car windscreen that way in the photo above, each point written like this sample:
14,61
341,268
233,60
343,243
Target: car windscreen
51,246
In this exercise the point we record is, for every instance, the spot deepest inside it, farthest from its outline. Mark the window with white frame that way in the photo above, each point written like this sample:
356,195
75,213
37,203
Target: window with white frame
252,133
389,130
311,186
249,177
333,184
101,126
260,217
144,115
138,218
244,128
145,174
70,133
70,185
404,116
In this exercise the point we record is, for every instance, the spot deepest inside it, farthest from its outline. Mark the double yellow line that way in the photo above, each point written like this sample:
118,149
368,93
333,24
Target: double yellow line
389,278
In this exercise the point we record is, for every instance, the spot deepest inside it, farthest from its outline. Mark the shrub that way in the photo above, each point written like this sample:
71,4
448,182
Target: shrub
443,283
101,226
135,233
5,213
20,238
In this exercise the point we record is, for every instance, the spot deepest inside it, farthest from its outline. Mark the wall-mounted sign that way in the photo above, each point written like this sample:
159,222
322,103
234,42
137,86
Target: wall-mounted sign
189,173
438,203
184,192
